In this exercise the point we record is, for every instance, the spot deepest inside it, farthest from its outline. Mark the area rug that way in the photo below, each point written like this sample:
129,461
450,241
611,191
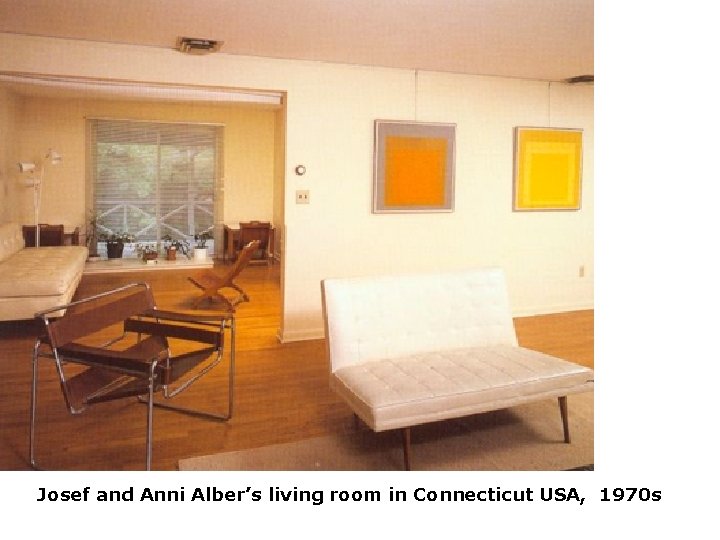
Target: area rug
523,438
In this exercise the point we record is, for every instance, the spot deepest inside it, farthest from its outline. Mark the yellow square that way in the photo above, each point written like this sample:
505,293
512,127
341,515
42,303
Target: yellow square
548,165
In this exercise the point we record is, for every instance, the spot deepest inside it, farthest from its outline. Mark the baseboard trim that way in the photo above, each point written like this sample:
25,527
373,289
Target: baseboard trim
549,310
319,333
301,335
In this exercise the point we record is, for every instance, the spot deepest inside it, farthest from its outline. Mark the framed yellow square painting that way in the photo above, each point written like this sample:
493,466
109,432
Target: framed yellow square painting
548,169
414,167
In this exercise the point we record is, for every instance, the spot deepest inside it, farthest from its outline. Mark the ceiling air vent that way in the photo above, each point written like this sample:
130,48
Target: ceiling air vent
581,79
198,45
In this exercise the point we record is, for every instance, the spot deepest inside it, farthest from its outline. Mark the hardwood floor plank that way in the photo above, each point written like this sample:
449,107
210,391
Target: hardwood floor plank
281,390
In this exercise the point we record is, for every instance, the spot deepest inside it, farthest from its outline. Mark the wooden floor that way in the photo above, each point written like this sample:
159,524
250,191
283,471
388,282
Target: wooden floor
281,390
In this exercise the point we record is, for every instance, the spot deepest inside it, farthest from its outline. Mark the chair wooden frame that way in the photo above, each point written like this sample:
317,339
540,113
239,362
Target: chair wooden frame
136,361
262,231
49,235
210,282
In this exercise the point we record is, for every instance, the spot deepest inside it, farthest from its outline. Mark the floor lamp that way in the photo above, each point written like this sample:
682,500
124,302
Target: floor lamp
36,183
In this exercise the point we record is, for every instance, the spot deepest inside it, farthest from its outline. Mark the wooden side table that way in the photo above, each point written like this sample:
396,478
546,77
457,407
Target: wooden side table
230,236
72,238
236,239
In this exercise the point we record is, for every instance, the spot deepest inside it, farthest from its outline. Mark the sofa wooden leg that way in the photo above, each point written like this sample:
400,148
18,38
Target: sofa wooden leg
406,447
562,401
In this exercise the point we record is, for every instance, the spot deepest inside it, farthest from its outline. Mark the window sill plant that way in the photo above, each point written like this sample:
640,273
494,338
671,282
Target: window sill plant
200,251
115,243
173,247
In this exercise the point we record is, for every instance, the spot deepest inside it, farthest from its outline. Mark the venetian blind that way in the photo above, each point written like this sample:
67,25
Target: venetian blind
152,179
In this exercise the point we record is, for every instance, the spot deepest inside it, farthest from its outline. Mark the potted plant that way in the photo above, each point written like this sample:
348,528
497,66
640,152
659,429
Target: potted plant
147,252
200,251
91,235
173,246
115,244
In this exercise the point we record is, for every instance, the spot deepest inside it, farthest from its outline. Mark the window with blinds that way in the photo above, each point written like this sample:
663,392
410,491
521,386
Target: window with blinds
152,180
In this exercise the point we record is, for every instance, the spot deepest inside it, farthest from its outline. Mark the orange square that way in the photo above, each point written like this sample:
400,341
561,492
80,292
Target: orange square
414,167
415,171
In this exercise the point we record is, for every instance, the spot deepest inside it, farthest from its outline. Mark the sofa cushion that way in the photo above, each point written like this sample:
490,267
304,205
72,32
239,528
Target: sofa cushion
433,386
43,271
396,316
11,240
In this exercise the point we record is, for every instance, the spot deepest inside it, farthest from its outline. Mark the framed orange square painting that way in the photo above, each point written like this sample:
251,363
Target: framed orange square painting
548,169
414,167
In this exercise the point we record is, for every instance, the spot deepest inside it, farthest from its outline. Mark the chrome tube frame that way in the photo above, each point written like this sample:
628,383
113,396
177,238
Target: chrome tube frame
231,383
222,322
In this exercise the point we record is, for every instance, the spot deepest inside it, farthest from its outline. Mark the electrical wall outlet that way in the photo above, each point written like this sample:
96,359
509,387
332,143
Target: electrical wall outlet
581,271
302,196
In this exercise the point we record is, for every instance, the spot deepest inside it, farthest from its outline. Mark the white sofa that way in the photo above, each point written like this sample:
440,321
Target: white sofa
34,279
407,350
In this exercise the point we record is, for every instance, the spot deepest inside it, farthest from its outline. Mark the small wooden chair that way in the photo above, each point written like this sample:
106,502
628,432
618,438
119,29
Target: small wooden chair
262,231
116,345
212,281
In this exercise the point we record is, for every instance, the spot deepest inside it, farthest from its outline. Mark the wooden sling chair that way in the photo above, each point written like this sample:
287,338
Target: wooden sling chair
212,281
116,345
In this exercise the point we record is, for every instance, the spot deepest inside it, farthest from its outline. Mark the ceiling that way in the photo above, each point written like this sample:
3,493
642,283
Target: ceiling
529,39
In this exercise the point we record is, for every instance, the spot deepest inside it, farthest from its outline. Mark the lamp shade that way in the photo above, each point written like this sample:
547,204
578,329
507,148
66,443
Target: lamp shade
26,167
54,156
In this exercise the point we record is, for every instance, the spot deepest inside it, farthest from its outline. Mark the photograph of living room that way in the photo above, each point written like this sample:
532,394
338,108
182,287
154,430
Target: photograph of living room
264,126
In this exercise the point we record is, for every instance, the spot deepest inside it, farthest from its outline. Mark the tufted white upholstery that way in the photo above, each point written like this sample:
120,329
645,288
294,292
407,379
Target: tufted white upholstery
43,271
395,316
11,240
406,350
35,279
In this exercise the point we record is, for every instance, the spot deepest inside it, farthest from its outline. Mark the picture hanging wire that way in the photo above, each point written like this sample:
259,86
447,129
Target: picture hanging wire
416,93
548,104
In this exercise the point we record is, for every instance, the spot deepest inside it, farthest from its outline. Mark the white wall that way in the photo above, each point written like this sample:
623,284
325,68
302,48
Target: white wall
330,113
60,123
8,187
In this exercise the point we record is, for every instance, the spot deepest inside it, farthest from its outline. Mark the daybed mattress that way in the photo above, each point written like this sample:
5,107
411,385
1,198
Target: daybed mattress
43,271
36,279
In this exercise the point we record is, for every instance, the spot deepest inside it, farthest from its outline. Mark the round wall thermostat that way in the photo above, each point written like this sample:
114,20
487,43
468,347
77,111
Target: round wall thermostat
300,170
